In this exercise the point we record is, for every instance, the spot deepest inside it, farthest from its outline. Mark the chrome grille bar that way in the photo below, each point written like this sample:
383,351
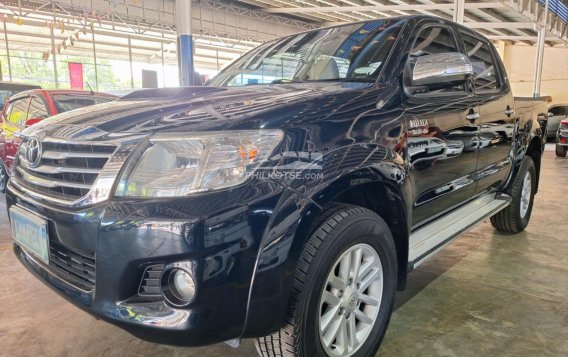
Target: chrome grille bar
67,171
38,181
62,155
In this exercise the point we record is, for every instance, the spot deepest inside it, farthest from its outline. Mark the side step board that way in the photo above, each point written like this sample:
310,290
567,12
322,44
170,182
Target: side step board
429,239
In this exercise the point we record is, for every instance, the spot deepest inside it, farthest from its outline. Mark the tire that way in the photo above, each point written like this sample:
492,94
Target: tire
3,177
516,216
561,151
341,231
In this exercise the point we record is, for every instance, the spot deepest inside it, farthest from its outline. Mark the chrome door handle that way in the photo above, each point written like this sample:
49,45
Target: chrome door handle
509,111
472,116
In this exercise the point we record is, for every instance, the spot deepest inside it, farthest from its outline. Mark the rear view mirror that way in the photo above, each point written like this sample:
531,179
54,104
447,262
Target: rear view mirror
441,68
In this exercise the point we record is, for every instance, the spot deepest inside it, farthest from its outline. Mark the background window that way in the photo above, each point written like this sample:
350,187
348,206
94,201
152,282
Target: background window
481,58
17,113
37,109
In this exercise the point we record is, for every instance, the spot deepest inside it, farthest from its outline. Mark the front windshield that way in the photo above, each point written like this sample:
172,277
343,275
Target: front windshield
351,52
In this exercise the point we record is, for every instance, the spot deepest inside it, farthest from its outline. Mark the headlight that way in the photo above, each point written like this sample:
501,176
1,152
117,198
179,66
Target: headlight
175,166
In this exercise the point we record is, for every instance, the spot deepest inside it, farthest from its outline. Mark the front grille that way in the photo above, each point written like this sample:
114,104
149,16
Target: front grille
77,269
65,171
151,281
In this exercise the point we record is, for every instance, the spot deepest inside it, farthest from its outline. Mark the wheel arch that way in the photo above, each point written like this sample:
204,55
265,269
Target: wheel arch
370,188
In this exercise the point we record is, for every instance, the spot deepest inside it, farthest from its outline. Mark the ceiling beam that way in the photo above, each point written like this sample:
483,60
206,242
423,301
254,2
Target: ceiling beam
323,9
500,25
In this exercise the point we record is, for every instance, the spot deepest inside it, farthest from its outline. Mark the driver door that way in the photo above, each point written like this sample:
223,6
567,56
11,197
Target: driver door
441,148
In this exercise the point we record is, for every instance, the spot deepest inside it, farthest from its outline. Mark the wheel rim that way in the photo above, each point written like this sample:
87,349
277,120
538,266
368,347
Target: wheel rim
351,299
526,194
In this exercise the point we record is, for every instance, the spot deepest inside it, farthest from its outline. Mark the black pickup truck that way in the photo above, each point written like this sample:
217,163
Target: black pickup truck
289,198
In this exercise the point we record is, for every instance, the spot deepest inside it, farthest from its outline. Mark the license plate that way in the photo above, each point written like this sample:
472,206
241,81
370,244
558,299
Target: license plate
30,232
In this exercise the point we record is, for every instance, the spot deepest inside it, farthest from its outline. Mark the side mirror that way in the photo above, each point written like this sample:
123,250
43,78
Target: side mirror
441,69
550,114
32,121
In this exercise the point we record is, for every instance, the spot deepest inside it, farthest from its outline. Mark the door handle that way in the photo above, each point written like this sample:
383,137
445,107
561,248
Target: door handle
509,111
472,116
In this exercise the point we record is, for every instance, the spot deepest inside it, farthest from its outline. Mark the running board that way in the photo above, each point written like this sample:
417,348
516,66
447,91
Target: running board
428,240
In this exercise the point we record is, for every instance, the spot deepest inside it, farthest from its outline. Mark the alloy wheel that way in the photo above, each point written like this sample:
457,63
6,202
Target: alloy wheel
350,301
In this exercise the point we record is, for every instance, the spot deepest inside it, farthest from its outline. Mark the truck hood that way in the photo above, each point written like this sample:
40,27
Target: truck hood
204,109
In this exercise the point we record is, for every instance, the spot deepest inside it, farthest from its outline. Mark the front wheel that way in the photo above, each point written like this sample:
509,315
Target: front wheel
343,291
561,151
3,177
516,216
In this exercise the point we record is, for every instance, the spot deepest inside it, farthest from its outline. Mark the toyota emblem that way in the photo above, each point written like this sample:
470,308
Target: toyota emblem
33,152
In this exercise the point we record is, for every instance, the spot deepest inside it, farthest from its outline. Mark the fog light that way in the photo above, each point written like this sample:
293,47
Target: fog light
184,287
178,287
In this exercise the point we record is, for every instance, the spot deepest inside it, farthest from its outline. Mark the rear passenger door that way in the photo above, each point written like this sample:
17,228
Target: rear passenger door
496,122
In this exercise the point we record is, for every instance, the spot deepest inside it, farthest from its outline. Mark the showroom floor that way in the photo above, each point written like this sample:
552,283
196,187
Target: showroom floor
486,294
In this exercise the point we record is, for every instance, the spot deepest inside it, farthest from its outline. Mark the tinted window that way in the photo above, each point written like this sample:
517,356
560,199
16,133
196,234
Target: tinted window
37,109
434,40
66,102
18,110
481,58
559,110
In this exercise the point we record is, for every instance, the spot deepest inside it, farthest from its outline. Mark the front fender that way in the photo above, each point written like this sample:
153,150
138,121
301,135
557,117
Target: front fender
288,231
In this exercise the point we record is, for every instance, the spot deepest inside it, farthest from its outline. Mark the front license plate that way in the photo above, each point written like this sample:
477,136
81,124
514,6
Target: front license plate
30,232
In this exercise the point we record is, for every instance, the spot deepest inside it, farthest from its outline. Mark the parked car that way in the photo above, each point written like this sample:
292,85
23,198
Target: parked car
8,89
562,139
30,107
556,113
288,199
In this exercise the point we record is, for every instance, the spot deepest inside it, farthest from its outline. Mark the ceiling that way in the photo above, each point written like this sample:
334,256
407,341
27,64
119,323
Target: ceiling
508,20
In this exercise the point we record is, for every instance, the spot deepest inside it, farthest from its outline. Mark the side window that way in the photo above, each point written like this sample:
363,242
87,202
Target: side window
481,58
18,111
433,40
38,109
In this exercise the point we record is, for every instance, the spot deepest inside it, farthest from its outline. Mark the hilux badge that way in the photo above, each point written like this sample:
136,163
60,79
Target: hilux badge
33,152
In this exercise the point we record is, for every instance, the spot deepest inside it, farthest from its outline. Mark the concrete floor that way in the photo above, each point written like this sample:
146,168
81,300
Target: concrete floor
486,294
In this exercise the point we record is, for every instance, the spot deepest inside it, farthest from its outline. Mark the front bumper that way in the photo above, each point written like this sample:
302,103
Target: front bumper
217,234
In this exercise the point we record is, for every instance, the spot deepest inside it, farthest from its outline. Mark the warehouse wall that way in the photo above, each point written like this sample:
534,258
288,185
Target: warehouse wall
519,59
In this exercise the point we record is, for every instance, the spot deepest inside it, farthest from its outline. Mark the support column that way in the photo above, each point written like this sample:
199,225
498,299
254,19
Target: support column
459,9
184,42
7,50
130,62
53,48
95,60
540,54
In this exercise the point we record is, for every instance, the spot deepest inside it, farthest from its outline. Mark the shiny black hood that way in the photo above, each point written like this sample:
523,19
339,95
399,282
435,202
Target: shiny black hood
208,108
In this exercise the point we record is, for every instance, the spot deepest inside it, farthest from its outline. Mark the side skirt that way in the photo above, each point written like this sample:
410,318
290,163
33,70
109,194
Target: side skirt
431,238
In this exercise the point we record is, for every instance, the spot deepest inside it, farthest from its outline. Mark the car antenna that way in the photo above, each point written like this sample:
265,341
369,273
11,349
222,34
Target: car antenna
91,89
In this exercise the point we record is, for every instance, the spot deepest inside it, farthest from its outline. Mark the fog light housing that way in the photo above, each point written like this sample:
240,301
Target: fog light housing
178,287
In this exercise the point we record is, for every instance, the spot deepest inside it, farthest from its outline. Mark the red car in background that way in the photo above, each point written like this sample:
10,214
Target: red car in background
30,107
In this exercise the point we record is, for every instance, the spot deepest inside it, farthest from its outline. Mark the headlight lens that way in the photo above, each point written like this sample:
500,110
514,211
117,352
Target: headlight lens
176,166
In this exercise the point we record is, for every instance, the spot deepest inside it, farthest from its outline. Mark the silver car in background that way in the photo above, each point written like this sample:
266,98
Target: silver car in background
556,113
